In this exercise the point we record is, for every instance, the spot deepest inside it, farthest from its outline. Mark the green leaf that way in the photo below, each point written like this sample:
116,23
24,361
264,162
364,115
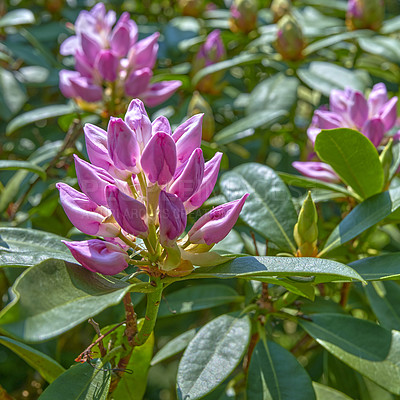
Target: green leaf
64,295
384,267
21,16
14,164
38,115
364,346
383,46
275,374
353,157
309,183
384,298
260,267
133,385
46,366
173,347
212,355
81,382
12,94
242,59
21,247
325,76
269,209
197,298
396,160
245,126
276,93
362,217
327,393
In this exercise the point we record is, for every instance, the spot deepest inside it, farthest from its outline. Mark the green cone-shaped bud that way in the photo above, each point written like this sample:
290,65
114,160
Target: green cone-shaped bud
306,229
198,105
243,15
386,158
289,41
365,14
279,8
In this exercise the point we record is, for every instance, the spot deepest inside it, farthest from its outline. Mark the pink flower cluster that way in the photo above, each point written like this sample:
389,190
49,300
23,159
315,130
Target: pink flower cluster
350,109
141,182
111,57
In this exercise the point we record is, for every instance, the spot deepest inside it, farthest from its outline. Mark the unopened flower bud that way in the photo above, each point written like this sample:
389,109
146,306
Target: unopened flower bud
191,8
306,229
243,15
280,8
365,14
199,105
289,42
386,158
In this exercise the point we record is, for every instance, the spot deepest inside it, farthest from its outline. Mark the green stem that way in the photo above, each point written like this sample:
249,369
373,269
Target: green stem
153,303
132,187
142,182
112,353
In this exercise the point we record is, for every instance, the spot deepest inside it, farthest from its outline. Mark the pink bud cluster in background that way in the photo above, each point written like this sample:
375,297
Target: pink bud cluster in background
108,56
142,181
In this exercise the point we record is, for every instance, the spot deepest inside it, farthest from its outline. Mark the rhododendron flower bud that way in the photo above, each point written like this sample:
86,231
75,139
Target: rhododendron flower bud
123,146
365,14
388,113
96,146
188,179
374,130
99,256
187,137
243,15
358,109
84,213
217,223
144,53
172,217
93,180
161,124
280,8
199,105
107,64
159,158
158,92
289,42
138,81
127,211
137,119
317,170
211,169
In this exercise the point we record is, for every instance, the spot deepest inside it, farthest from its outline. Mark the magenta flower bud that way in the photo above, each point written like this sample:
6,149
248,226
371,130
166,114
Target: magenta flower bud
123,146
187,137
216,224
137,119
289,39
160,91
161,124
339,100
99,256
213,50
138,81
83,65
374,130
172,217
189,178
159,158
127,211
211,169
93,180
358,109
144,53
84,213
377,98
66,87
96,146
365,14
120,41
388,113
243,15
86,90
107,64
90,46
316,170
69,46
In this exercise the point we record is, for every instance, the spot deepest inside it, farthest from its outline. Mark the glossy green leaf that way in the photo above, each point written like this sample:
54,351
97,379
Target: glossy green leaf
21,16
384,298
133,385
309,183
212,355
245,126
327,393
325,76
269,209
64,295
39,115
46,366
81,382
173,347
261,267
197,298
21,247
275,374
396,160
383,46
12,94
353,157
13,164
384,267
362,217
364,346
